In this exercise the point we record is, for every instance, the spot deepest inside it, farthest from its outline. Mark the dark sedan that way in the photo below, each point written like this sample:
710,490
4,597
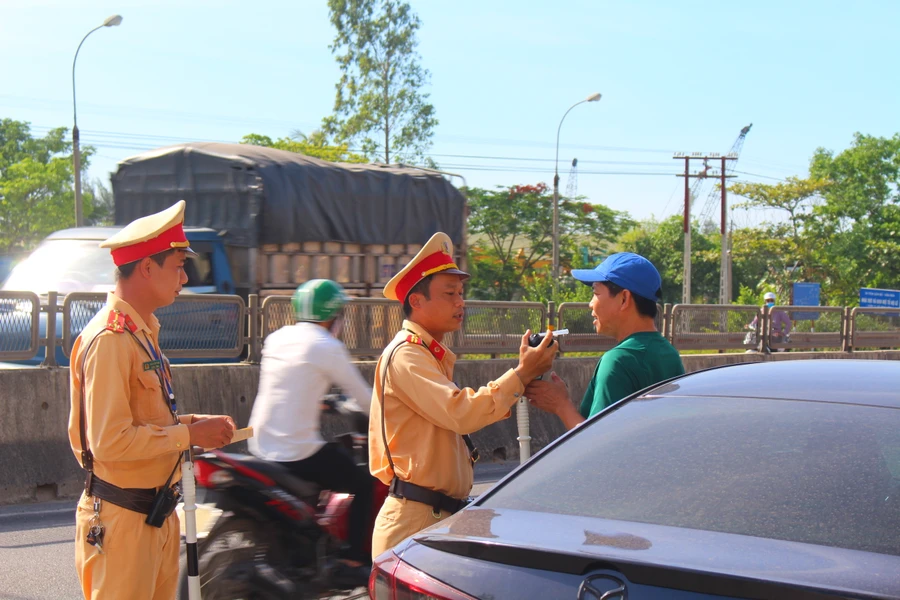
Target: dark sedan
776,480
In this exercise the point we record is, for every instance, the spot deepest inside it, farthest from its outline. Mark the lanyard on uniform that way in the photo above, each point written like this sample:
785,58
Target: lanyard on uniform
159,365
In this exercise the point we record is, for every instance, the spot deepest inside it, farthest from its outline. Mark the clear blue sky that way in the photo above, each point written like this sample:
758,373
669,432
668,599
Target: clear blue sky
683,76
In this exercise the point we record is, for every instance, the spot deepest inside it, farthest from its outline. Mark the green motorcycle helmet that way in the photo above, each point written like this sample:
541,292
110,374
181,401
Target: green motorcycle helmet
318,300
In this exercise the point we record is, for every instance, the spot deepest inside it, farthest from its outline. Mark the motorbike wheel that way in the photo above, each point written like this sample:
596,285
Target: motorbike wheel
231,568
357,594
228,565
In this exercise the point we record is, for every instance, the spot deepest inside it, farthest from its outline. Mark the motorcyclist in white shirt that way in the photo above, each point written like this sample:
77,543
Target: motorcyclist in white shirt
300,364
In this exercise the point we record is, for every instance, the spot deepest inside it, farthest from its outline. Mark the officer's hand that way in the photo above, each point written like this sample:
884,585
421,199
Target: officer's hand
534,362
195,418
212,432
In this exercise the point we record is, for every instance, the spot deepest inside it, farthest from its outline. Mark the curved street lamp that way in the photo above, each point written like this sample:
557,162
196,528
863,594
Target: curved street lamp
555,274
112,21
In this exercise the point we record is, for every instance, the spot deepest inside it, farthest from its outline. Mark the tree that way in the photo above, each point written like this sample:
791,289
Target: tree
511,232
858,225
315,145
379,102
104,206
780,252
36,185
662,243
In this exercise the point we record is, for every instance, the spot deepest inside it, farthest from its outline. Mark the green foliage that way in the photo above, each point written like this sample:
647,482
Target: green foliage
539,288
379,101
748,296
841,227
781,252
857,228
36,185
662,243
511,246
104,209
315,145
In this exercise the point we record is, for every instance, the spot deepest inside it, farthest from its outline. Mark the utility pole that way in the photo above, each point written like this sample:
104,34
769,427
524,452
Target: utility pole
725,268
703,173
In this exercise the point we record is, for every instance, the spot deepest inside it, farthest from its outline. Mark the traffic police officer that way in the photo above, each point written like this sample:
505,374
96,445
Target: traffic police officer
419,416
123,424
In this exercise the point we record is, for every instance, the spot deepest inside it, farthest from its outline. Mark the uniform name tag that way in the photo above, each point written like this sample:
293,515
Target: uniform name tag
152,365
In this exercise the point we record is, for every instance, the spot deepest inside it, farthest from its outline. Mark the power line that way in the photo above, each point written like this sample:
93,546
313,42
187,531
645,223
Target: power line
121,137
143,142
762,176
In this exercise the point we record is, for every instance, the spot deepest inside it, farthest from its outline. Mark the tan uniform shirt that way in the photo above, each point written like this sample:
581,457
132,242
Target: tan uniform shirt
426,413
130,429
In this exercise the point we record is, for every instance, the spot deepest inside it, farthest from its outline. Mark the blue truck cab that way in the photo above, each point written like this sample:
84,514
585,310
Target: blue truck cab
71,260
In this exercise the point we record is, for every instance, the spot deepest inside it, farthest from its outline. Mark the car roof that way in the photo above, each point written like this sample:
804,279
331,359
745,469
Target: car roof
869,382
101,233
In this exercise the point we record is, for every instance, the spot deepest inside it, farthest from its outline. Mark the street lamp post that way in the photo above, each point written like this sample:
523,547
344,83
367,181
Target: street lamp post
555,274
112,21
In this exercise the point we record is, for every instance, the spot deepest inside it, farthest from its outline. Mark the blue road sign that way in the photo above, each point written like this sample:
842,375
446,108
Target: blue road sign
806,294
875,298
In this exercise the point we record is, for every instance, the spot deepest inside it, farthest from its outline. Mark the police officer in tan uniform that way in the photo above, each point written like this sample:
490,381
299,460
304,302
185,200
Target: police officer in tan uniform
123,424
419,416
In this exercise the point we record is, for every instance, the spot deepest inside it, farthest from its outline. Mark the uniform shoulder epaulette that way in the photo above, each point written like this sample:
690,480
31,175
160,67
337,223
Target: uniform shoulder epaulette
435,348
118,322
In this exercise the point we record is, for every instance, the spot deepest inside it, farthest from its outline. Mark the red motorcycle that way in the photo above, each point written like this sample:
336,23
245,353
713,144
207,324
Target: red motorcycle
275,536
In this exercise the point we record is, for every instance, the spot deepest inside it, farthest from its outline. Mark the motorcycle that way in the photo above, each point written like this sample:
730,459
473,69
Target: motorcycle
776,337
271,535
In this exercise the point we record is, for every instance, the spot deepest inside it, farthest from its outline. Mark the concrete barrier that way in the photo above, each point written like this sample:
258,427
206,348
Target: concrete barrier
36,463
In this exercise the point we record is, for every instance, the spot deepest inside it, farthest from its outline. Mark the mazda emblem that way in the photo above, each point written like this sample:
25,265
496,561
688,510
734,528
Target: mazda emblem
593,588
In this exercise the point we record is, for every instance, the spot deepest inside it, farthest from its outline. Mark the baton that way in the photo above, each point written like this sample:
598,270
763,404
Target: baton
522,418
189,487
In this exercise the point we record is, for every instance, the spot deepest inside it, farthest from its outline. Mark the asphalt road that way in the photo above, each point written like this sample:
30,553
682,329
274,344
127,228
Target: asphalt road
37,551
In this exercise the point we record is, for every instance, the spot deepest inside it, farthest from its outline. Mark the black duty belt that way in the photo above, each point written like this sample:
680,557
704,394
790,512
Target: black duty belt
417,493
135,499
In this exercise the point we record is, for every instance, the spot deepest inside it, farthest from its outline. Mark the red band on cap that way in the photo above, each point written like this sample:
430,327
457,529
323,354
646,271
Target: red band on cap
431,264
170,238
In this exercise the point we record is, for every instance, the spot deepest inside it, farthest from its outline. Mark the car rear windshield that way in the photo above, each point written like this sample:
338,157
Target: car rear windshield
812,472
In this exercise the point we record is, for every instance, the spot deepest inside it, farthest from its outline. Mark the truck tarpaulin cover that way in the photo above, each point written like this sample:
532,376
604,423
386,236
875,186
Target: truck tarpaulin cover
255,195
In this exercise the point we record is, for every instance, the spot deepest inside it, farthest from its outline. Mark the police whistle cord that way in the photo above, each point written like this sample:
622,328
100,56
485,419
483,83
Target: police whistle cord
189,490
522,418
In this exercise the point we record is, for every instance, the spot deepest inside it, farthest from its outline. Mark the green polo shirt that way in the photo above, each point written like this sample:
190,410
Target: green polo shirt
638,361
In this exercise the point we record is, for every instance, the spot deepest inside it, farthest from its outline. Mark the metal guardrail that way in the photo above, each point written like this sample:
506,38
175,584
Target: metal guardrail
78,310
715,327
371,323
583,337
203,326
194,326
496,327
874,328
208,326
811,328
19,325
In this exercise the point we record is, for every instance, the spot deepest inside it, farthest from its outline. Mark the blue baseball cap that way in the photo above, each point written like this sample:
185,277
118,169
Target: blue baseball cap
627,270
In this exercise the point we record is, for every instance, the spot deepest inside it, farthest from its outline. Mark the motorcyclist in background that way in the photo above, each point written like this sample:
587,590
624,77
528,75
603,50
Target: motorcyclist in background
781,322
300,364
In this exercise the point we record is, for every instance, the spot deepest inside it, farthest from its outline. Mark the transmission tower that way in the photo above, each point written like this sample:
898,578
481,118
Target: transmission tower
572,184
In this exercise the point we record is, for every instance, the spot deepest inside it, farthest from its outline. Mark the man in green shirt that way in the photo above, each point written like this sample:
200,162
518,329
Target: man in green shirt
626,287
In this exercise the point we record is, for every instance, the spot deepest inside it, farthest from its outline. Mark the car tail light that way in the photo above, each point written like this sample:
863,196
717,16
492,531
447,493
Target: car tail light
393,579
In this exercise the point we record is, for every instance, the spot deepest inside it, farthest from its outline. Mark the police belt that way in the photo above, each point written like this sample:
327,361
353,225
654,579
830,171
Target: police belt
135,499
417,493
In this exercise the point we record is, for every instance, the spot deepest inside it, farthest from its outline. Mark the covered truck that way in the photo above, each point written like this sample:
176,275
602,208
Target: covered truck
285,218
